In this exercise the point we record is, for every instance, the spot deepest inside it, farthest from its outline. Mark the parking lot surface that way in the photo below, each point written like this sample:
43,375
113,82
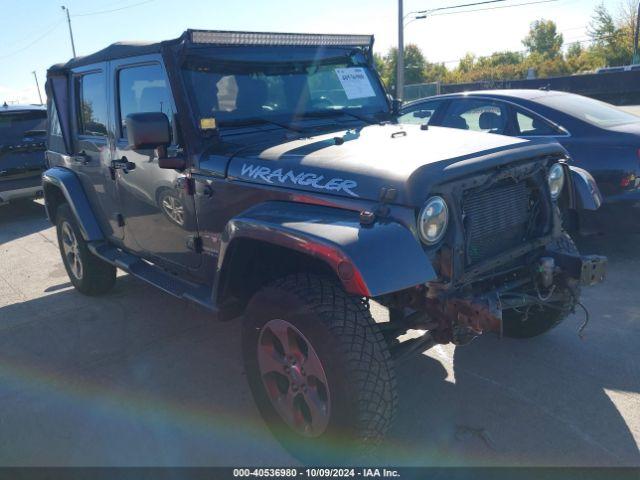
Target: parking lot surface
136,377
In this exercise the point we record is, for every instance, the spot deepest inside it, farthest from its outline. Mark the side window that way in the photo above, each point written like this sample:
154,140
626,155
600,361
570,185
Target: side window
532,126
421,113
54,122
143,89
478,115
92,104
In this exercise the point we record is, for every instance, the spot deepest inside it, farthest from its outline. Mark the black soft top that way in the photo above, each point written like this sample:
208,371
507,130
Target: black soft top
214,37
173,51
112,52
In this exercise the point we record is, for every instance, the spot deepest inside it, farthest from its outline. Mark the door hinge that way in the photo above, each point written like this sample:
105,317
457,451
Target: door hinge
120,220
195,243
189,186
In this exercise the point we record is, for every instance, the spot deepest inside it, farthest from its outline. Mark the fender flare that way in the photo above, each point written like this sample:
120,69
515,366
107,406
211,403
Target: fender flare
68,183
369,260
587,193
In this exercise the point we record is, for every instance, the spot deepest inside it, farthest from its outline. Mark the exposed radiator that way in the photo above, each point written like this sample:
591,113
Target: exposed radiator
496,219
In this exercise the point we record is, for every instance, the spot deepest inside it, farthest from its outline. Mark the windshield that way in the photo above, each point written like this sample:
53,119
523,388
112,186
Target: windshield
589,110
235,92
15,125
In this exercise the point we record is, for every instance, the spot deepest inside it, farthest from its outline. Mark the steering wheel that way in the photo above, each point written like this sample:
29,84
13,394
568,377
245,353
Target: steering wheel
322,102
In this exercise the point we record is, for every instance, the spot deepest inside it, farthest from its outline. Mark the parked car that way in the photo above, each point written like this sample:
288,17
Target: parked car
599,137
22,147
301,199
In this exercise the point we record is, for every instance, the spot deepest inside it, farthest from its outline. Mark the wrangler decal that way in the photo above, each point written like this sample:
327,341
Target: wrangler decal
302,179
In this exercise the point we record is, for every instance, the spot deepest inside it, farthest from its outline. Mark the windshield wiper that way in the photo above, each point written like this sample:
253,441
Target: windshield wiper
246,122
333,113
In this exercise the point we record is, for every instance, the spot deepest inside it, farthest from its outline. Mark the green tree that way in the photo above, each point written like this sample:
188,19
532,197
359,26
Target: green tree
380,63
581,59
414,65
544,39
612,42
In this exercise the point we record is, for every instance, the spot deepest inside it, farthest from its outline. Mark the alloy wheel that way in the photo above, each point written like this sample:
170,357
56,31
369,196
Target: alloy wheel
294,378
173,208
71,250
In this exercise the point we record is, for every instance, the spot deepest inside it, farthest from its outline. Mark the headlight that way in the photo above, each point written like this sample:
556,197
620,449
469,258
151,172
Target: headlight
433,220
556,180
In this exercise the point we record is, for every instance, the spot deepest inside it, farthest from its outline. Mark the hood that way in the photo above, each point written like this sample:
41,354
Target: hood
359,163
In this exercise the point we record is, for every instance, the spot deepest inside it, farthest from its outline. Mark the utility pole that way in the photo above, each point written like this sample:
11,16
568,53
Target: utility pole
400,59
35,75
73,45
636,56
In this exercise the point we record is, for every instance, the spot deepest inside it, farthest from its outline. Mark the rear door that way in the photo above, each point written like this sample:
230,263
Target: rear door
91,158
159,214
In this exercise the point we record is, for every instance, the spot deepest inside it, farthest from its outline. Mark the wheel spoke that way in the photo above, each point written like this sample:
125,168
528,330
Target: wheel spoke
270,360
280,330
78,266
318,409
312,367
288,408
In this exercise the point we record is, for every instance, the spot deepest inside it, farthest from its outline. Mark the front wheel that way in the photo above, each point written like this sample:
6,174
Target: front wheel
319,369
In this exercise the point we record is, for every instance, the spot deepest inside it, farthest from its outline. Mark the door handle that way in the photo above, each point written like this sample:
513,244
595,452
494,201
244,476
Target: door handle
82,158
123,164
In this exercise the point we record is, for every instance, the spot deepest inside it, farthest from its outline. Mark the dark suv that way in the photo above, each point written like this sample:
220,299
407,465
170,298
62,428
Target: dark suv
264,177
22,147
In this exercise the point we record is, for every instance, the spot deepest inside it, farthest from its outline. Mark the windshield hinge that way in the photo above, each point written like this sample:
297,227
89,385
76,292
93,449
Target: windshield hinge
189,186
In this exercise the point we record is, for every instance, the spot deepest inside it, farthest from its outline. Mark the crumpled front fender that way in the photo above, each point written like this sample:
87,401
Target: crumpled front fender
369,260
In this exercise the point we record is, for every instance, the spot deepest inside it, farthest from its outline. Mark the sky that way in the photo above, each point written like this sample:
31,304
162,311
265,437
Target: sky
34,33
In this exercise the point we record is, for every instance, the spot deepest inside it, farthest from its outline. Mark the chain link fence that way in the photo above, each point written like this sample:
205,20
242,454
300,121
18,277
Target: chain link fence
420,90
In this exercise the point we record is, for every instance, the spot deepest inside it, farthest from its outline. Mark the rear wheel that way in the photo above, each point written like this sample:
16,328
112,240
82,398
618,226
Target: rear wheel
88,273
319,369
539,319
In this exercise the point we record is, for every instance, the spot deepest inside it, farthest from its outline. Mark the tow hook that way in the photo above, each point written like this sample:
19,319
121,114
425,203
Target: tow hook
546,268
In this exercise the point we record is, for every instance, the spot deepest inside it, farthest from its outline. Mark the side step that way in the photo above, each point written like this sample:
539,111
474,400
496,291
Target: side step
197,293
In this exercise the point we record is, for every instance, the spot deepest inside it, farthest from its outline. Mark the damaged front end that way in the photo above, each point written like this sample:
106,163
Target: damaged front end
507,267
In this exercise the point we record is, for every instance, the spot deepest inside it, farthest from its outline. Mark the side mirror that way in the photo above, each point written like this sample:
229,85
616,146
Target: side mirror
148,130
422,113
395,106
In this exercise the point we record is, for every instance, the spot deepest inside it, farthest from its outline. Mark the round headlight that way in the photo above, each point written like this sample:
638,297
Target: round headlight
433,220
556,180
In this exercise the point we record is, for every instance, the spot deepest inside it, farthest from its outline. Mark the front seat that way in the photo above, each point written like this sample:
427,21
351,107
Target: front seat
252,96
456,121
491,122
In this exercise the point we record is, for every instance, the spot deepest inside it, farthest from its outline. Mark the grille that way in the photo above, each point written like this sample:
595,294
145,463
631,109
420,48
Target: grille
496,219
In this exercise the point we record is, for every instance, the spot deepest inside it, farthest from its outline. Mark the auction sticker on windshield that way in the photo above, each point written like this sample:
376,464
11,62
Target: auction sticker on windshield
355,82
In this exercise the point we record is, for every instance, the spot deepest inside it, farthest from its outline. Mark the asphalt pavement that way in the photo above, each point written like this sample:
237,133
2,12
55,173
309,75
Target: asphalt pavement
136,377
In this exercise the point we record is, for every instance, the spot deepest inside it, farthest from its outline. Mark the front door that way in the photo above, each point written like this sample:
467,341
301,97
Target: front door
159,215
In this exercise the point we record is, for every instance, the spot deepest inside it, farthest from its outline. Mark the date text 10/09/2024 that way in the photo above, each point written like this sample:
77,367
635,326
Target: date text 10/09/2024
316,472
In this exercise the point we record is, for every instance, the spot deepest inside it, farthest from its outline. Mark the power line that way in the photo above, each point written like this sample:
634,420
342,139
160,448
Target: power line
36,40
495,8
100,12
451,7
30,36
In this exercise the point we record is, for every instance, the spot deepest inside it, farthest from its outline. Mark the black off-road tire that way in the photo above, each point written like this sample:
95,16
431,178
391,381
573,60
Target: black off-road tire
354,356
98,276
540,319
